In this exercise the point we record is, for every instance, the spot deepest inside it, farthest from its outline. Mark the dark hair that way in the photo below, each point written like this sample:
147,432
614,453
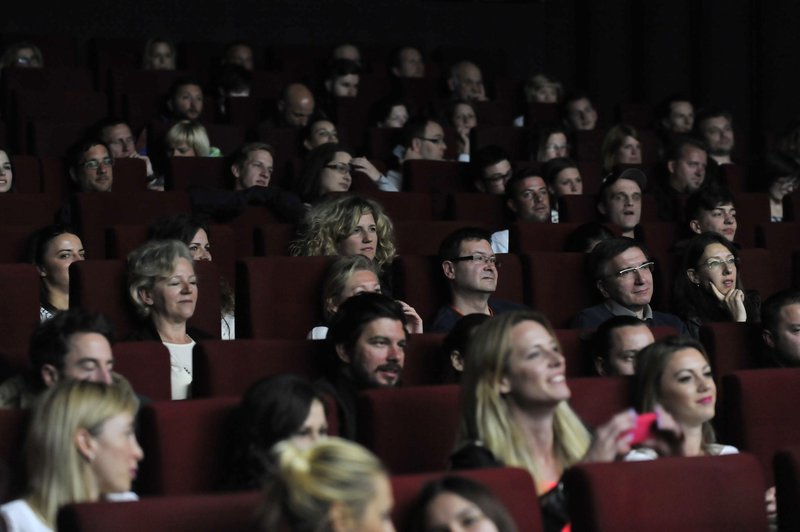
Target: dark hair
78,150
531,170
606,250
778,165
342,67
553,167
233,77
381,109
415,129
706,198
601,339
355,313
772,306
317,116
708,113
394,57
675,150
487,156
694,301
458,339
110,121
36,246
470,490
539,139
450,247
664,108
450,110
308,185
271,410
578,240
51,340
181,227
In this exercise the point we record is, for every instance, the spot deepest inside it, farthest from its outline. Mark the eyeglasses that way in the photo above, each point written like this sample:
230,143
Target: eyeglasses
628,273
498,177
477,257
339,167
435,140
94,164
716,264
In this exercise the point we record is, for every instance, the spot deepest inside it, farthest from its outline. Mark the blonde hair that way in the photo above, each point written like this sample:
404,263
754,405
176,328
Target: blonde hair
307,482
487,417
613,141
150,262
57,473
539,81
332,220
192,133
337,276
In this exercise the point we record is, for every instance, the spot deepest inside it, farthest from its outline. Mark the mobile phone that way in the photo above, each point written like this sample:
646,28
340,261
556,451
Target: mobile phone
645,428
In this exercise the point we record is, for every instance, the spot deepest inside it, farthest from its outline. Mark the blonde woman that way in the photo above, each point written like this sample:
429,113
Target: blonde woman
81,447
333,486
516,412
188,138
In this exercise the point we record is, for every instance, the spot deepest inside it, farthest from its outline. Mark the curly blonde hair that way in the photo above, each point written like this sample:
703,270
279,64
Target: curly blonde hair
334,219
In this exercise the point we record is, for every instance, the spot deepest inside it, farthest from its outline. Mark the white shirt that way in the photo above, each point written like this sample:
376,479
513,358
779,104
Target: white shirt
318,333
20,517
180,365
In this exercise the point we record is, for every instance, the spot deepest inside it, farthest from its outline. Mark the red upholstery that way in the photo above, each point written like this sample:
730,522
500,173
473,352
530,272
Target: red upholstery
596,400
380,141
55,179
244,227
557,287
278,297
229,367
489,209
787,486
130,175
514,140
760,272
405,206
782,240
761,411
27,173
424,360
574,350
248,111
577,209
14,242
27,209
412,429
49,138
425,237
722,494
210,172
273,239
526,237
287,141
19,306
435,176
734,176
146,366
513,487
638,115
196,513
13,427
731,346
183,442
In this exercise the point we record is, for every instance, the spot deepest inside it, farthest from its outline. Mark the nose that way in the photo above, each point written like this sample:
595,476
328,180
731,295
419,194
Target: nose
105,375
138,453
726,268
204,255
186,288
703,384
395,353
556,358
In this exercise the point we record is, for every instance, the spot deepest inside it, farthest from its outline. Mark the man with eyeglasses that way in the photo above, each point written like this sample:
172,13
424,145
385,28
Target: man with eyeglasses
623,274
92,168
492,170
471,269
117,135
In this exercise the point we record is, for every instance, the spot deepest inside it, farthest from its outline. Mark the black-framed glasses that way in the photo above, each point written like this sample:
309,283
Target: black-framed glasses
479,257
716,264
628,273
434,140
94,164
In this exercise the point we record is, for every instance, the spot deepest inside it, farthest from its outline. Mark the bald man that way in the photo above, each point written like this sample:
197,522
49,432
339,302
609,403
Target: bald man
295,106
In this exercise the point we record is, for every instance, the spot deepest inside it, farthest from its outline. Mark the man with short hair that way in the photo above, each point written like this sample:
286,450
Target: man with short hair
239,53
407,62
616,343
687,162
295,106
780,321
74,345
579,113
253,166
368,336
117,135
715,127
622,271
92,167
492,170
470,267
712,209
677,115
347,51
619,200
185,100
528,197
466,82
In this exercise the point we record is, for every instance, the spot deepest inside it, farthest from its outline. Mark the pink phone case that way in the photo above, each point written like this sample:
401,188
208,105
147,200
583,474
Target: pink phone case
645,427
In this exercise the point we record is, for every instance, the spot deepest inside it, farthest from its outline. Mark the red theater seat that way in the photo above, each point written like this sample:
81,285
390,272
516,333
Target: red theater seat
146,366
787,486
556,285
19,306
13,427
597,400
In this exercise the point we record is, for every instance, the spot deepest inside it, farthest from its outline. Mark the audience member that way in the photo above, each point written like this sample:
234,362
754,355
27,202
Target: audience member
586,236
52,249
780,321
708,285
578,112
349,52
563,177
6,173
327,169
239,53
543,88
515,410
622,271
407,62
712,208
676,115
81,447
619,200
74,345
492,170
274,409
163,287
528,198
368,337
781,177
92,167
455,345
390,112
715,128
335,483
462,116
192,230
118,136
470,266
231,81
159,54
687,161
552,141
616,342
454,503
185,100
343,78
318,131
22,54
621,146
466,82
789,142
295,106
187,138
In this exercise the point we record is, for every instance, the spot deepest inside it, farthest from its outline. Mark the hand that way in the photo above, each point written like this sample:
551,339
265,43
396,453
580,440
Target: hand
463,139
772,505
363,165
414,322
667,438
734,302
612,439
147,163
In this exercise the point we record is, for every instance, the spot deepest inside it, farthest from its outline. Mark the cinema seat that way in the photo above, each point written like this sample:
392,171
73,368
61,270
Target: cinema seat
13,427
786,468
597,400
146,365
19,306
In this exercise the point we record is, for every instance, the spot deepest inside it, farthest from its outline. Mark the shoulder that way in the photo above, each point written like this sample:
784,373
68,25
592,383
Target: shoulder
501,305
591,317
20,516
665,318
473,455
17,392
444,320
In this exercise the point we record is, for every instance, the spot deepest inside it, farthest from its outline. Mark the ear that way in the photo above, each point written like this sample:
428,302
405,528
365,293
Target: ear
306,144
328,85
170,105
330,306
449,270
601,208
341,517
601,286
72,175
146,296
457,360
342,354
694,225
42,272
766,335
503,386
416,145
671,167
49,375
86,444
691,273
396,71
281,106
599,366
235,170
511,206
479,186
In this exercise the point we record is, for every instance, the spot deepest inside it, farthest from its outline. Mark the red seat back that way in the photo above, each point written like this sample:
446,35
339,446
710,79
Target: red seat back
19,306
596,400
146,366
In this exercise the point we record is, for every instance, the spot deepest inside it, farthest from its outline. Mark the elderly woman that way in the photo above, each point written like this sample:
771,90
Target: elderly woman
163,287
188,138
81,447
52,249
278,408
708,285
621,146
516,414
335,485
